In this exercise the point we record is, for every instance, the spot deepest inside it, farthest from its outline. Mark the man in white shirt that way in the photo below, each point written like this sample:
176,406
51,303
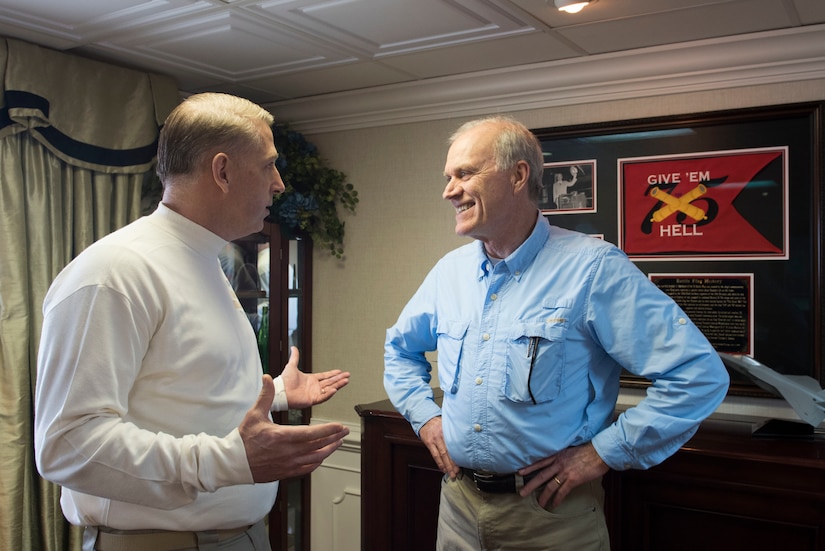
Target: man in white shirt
151,408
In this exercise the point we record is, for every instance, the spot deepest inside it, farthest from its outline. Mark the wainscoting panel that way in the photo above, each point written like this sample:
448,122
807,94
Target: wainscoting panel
336,497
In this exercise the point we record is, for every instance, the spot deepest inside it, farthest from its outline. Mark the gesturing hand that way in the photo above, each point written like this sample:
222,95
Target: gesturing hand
307,389
278,452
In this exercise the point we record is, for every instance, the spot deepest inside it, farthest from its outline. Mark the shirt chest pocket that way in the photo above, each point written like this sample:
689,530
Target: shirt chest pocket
450,342
534,365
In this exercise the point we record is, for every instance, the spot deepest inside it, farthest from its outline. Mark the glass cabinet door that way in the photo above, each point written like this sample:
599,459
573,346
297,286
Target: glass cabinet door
245,263
289,521
272,276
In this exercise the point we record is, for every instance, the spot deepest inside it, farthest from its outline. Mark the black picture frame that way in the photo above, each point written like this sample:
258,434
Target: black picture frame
569,188
788,329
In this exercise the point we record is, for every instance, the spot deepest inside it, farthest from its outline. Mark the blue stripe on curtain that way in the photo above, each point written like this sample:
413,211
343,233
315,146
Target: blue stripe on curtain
16,99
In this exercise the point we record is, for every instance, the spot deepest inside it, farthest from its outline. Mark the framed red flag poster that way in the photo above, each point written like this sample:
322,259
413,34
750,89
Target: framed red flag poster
704,197
706,205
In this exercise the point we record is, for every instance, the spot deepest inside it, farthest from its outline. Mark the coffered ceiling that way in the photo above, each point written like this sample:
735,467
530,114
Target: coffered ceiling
276,50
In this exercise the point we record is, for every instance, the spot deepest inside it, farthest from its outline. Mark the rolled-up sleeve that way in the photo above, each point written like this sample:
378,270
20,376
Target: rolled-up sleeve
649,335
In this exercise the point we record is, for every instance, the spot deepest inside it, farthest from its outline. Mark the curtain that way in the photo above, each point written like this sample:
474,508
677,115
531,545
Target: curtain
77,145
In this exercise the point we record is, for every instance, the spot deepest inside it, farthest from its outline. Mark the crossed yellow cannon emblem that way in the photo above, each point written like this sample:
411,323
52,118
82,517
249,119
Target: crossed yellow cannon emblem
681,204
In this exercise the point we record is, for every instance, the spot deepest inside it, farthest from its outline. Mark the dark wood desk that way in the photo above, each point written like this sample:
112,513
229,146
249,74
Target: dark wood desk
400,483
724,490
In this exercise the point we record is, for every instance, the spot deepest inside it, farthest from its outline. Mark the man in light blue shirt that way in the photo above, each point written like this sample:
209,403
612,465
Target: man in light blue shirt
533,325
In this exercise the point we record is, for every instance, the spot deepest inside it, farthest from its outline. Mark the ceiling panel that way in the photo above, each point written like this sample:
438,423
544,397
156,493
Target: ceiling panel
617,10
680,25
479,56
810,11
231,45
352,76
386,27
85,22
271,50
73,15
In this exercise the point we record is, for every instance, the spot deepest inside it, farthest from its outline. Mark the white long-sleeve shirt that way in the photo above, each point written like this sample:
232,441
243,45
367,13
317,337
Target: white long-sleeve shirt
147,366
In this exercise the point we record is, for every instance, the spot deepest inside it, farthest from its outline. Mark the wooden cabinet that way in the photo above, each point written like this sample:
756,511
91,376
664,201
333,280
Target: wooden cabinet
272,269
724,490
400,483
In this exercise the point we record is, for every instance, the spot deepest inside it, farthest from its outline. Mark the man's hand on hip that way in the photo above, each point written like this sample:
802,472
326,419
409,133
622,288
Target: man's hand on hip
433,437
562,472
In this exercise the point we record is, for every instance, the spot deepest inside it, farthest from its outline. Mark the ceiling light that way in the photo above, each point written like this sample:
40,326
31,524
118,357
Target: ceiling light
571,6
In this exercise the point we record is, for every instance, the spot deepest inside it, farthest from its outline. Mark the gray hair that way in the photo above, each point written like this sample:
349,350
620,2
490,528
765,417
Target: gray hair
514,142
203,122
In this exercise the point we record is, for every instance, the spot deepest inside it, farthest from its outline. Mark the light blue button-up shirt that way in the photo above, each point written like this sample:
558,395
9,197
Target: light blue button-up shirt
530,352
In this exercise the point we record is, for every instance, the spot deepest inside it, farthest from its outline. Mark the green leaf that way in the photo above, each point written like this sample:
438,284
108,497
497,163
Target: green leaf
306,176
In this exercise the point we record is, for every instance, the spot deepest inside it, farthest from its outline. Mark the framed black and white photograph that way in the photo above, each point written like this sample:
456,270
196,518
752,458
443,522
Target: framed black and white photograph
569,187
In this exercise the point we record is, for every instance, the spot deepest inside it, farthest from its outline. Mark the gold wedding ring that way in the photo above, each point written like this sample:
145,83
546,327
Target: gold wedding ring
557,480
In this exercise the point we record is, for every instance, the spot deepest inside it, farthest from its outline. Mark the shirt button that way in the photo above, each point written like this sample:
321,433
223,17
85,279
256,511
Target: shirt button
493,296
477,427
479,380
486,336
682,321
518,272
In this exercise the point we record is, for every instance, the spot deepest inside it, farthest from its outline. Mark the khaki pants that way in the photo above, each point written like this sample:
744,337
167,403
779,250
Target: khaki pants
471,520
255,538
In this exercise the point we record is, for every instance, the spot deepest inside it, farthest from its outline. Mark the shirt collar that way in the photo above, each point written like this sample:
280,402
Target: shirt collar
193,234
523,256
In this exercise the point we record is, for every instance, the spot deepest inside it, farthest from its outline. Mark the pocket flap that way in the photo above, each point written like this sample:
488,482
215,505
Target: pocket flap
452,329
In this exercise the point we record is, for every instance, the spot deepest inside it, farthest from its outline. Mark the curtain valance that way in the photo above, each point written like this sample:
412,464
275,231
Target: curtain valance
90,114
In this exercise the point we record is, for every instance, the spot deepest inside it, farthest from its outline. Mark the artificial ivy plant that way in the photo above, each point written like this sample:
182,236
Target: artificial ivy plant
309,204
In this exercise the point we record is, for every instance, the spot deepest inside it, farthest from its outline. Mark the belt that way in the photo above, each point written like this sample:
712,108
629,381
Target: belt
157,540
498,483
